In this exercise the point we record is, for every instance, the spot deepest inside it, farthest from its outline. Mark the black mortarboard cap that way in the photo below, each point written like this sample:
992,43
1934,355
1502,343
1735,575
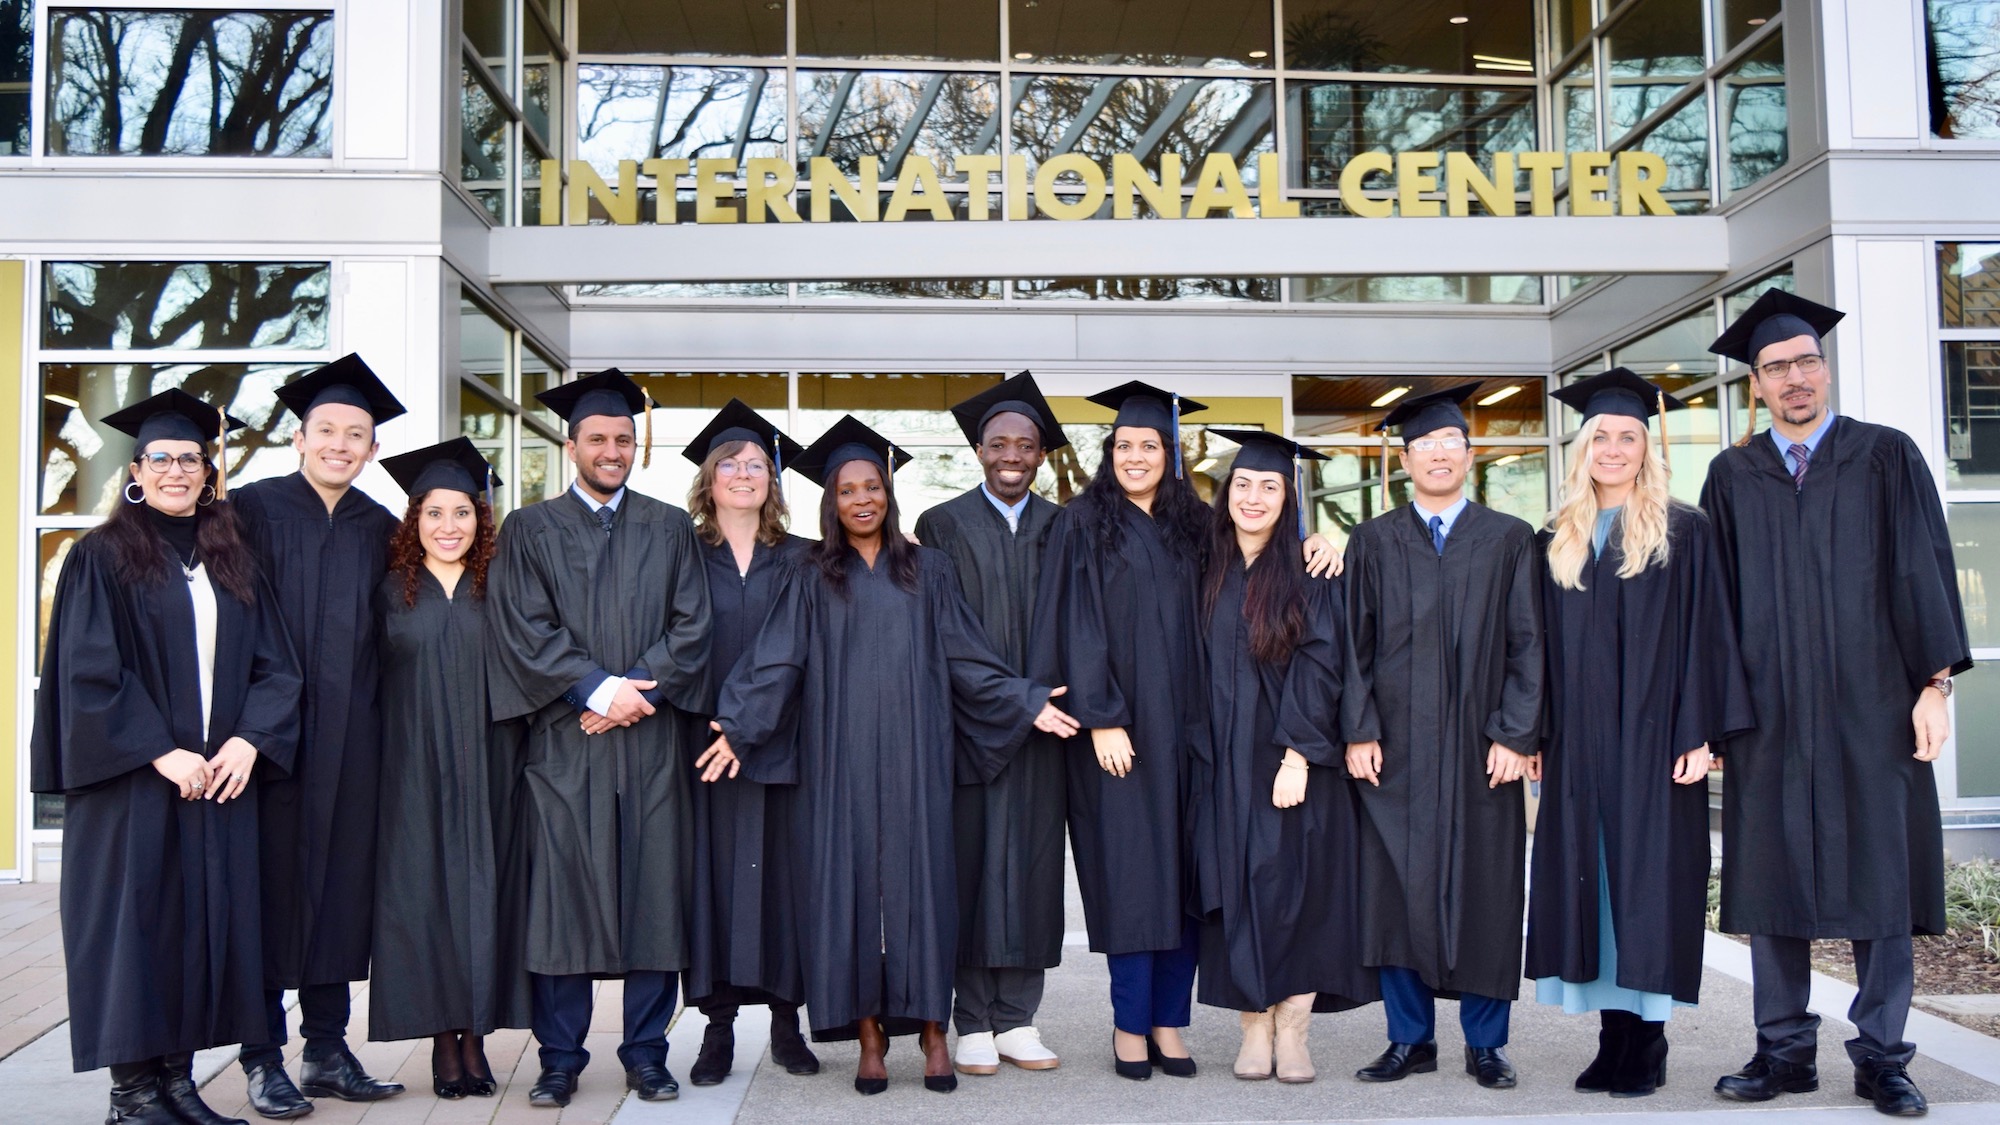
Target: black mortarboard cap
1142,404
172,415
1265,451
609,393
1018,395
737,422
1617,391
454,464
1416,417
346,380
1774,317
848,440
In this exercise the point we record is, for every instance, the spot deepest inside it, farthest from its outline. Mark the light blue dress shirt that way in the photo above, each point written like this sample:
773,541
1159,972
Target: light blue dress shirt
1811,443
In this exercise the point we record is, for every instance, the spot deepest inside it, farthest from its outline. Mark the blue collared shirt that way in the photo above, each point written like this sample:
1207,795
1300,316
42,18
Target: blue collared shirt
1009,512
1449,515
592,504
1811,443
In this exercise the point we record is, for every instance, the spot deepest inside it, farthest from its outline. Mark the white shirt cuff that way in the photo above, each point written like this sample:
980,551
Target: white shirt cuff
600,700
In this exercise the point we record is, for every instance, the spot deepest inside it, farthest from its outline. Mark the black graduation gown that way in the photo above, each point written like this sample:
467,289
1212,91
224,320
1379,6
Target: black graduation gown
1446,660
1281,891
1120,629
319,823
447,953
160,921
745,936
609,831
1010,832
1847,603
865,678
1641,671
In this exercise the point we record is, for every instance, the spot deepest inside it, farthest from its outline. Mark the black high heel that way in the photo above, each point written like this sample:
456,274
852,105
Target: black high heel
872,1086
937,1083
1137,1071
444,1049
479,1081
1170,1066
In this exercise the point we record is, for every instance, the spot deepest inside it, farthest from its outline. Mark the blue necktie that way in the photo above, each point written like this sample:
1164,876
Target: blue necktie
604,516
1800,458
1437,533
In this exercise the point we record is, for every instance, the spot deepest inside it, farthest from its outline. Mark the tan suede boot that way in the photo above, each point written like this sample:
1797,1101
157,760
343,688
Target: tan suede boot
1253,1062
1293,1024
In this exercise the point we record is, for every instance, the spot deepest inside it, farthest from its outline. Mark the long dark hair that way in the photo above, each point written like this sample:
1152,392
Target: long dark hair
1177,509
139,553
406,547
831,552
1274,591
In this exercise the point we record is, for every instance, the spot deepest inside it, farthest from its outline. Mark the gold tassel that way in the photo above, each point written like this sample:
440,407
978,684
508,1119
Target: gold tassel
1385,471
1750,388
646,454
1666,451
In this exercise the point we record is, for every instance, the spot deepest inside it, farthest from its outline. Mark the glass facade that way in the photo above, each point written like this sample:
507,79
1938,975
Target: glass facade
1963,52
499,372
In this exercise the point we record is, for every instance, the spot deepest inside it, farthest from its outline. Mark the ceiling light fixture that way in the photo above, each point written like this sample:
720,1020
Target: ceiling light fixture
1206,464
1260,54
1502,393
1501,62
1390,395
1460,19
1507,460
1757,21
1024,56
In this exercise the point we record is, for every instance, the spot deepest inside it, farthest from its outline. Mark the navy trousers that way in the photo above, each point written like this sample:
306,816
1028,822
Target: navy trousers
1155,988
1412,1011
323,1013
562,1018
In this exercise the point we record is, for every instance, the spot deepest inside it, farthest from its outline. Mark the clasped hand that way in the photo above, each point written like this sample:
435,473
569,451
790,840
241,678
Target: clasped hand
627,707
220,779
1503,766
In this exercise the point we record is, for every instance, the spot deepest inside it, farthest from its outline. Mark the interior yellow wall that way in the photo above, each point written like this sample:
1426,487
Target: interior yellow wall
13,314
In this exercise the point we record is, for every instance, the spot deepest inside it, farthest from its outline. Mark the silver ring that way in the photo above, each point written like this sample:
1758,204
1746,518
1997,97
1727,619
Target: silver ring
198,787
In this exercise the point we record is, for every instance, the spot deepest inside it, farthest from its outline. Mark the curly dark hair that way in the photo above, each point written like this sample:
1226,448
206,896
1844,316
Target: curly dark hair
831,552
1184,521
139,553
1274,591
406,548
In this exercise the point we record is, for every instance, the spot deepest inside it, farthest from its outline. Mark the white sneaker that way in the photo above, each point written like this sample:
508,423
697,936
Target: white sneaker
1023,1047
976,1054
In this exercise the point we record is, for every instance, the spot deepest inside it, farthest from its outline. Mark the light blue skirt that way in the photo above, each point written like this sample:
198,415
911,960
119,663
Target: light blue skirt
1605,991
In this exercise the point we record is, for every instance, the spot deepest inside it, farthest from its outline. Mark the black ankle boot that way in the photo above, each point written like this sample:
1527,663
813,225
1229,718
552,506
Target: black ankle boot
788,1044
1644,1066
178,1091
135,1095
718,1054
1616,1032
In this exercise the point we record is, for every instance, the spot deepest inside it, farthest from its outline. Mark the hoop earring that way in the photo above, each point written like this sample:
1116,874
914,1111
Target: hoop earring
206,496
131,499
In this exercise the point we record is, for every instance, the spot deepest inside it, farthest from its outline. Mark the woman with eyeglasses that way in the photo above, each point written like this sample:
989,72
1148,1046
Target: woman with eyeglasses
168,691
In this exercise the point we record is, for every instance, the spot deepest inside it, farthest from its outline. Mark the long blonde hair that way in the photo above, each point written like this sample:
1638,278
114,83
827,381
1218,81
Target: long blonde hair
1643,523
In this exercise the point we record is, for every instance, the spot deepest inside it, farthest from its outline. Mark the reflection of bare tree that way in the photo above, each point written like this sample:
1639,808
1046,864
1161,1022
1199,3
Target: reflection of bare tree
848,115
692,112
1332,40
1964,70
17,71
1340,119
191,83
140,305
1190,117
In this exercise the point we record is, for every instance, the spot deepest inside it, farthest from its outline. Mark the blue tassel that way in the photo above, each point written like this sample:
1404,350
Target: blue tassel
1299,495
1177,438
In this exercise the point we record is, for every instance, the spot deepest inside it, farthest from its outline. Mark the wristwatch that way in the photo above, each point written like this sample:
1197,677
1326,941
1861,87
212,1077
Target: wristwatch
1942,684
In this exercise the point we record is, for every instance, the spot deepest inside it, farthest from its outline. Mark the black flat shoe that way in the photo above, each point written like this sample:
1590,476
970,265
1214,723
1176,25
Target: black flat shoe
1399,1062
340,1076
717,1056
870,1086
1170,1066
553,1089
652,1082
273,1095
1490,1066
1888,1085
1764,1078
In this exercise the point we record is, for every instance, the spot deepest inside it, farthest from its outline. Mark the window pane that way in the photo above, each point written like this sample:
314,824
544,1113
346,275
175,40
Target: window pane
483,347
1335,121
485,23
83,461
149,83
1738,20
1682,140
538,374
1147,289
686,112
1972,414
1576,107
1221,33
1694,438
1676,355
846,115
491,428
1965,68
1969,284
53,549
538,76
1351,406
1448,289
1495,37
1975,546
141,305
483,148
685,290
1753,108
17,67
1100,116
648,27
541,472
1739,302
958,289
1977,728
941,30
1654,51
1569,22
1346,489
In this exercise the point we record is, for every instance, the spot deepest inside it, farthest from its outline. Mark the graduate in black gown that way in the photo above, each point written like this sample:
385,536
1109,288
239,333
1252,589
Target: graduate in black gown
600,628
1009,832
1643,678
447,909
324,544
1443,702
1836,551
168,701
744,938
872,662
1278,828
1117,622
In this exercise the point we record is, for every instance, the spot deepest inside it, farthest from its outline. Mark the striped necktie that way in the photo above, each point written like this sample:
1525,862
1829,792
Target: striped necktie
1800,457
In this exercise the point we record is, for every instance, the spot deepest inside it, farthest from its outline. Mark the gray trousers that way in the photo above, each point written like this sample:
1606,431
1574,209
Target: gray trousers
995,999
1781,972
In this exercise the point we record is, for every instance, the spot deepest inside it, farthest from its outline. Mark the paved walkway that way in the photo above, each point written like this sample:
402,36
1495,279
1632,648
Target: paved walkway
1959,1070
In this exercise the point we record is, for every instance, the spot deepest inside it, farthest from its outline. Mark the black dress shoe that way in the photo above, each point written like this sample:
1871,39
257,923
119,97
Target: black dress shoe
1644,1066
1597,1078
1888,1085
717,1056
788,1046
1400,1061
339,1075
1170,1066
1764,1078
553,1088
1137,1071
272,1094
652,1083
1490,1066
178,1091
